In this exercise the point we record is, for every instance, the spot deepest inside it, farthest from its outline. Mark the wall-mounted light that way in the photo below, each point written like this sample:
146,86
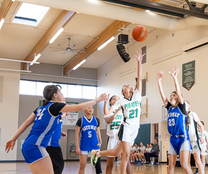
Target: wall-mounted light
56,35
106,43
2,22
35,58
78,65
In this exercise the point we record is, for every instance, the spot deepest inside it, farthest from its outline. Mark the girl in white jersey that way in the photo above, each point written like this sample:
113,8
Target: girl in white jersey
45,120
192,123
113,121
131,105
204,145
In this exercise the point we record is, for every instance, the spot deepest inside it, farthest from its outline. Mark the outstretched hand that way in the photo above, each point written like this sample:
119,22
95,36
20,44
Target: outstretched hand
103,97
160,75
9,145
139,55
174,72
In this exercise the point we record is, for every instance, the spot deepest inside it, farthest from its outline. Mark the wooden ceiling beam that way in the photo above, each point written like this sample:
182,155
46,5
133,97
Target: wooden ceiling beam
5,6
63,19
110,31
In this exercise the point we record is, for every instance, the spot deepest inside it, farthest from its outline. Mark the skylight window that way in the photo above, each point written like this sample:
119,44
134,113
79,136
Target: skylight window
30,14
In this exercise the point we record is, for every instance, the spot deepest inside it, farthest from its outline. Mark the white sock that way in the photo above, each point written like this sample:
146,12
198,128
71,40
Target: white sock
98,153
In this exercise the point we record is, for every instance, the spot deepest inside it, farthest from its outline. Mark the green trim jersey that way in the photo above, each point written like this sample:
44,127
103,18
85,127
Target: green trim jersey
131,108
113,127
205,134
191,129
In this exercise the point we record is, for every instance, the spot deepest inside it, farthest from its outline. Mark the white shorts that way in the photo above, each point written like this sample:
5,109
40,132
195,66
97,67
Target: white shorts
184,146
195,147
204,149
112,142
128,133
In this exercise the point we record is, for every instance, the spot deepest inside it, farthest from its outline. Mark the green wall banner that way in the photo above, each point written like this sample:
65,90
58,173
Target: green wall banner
188,75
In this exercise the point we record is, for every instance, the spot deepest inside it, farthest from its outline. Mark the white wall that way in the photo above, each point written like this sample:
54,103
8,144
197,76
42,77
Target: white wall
160,44
9,107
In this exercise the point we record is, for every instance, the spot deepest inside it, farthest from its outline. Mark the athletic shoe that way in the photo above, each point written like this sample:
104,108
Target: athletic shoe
94,157
196,172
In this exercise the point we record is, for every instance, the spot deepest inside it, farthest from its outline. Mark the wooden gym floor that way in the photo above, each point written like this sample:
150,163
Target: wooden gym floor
73,167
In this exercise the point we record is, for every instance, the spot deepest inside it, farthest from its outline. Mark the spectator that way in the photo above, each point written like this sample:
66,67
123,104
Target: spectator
139,155
134,149
153,153
148,149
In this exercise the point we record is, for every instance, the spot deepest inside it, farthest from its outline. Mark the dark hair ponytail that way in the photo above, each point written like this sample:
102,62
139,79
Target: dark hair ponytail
48,92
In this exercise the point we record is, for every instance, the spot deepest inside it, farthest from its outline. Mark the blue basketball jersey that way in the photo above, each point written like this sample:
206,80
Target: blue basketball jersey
54,140
176,123
89,139
43,127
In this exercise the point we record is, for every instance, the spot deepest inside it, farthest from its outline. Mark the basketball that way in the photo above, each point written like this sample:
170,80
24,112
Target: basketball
139,33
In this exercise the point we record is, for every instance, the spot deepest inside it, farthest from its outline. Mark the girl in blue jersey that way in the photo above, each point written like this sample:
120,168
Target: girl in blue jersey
176,123
45,119
89,137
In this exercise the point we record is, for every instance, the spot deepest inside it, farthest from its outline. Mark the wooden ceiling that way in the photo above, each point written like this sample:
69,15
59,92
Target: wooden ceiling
22,41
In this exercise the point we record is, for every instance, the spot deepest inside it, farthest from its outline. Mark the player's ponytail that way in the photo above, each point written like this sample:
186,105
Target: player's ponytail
48,92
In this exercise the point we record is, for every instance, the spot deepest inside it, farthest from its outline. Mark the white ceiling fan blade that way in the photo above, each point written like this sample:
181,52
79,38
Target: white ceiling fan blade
61,46
73,52
72,46
65,51
57,50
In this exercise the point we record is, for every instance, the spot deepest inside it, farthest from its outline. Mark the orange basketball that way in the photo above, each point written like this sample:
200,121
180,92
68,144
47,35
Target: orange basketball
139,33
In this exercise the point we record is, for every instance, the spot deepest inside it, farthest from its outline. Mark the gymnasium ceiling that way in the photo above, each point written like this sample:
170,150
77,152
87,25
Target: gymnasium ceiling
17,41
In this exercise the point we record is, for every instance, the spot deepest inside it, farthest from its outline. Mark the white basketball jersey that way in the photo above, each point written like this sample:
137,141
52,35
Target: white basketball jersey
113,127
131,108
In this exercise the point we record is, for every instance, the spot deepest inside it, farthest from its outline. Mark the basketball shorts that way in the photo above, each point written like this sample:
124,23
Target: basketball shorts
204,149
178,144
195,147
112,142
128,133
33,153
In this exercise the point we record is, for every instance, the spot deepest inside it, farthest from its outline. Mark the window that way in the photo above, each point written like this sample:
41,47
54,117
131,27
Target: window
89,92
27,87
30,14
69,91
74,91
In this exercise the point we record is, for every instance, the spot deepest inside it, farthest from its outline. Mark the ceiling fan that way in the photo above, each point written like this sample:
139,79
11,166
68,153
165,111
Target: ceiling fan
68,48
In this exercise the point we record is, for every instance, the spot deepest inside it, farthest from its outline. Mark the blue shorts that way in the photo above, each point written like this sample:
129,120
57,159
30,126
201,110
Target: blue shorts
178,144
33,153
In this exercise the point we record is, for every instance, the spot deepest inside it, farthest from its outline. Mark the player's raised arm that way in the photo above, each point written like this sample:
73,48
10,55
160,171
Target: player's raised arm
174,74
162,94
139,57
107,110
82,106
10,144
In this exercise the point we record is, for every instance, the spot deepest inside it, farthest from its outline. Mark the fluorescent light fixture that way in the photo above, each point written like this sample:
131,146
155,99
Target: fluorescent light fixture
2,22
77,12
35,59
93,1
13,0
106,43
78,65
147,11
56,35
